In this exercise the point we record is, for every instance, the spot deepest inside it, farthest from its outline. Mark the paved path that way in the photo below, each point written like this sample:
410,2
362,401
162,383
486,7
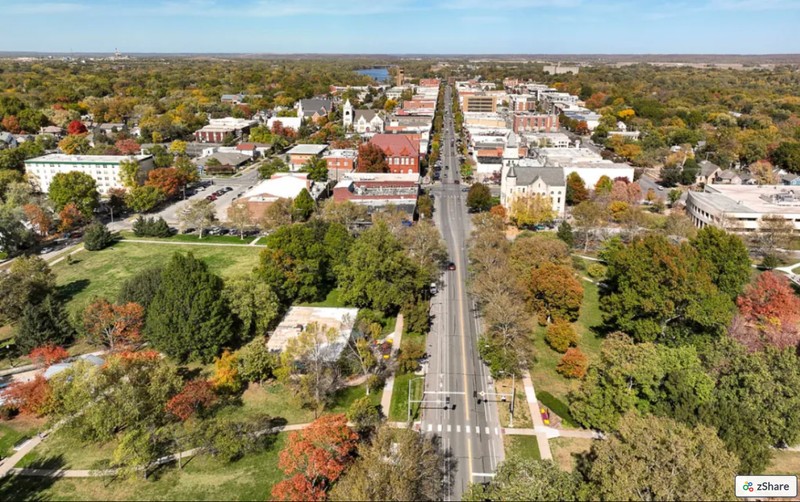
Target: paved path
200,243
538,424
550,433
388,387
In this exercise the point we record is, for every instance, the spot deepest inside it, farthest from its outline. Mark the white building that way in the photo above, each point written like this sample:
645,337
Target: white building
103,168
362,121
286,122
522,178
741,208
341,320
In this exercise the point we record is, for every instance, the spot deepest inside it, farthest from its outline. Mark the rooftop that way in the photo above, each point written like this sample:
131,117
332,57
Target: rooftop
85,159
763,199
298,318
309,149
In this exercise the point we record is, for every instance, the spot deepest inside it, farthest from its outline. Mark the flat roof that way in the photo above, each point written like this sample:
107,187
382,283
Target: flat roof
307,149
85,159
298,318
747,198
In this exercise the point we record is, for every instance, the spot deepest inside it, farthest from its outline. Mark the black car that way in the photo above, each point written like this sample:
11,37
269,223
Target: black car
451,266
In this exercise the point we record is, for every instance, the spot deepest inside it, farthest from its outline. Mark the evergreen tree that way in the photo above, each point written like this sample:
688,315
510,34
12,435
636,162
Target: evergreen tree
565,234
303,206
97,237
189,317
141,288
44,323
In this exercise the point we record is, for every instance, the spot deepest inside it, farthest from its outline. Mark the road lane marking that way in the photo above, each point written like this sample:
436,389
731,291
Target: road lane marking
495,431
487,430
439,428
430,427
458,428
448,428
468,429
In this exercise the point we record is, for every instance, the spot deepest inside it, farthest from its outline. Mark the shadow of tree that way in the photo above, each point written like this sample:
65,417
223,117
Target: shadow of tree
68,291
16,487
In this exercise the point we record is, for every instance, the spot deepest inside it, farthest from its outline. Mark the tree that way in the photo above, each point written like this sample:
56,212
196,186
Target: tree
774,233
317,169
76,127
561,336
167,180
127,146
14,235
657,290
378,274
274,165
70,217
130,173
226,377
39,217
199,214
787,156
424,206
518,478
115,326
177,147
632,463
345,213
28,282
314,458
150,227
144,198
771,310
410,466
302,206
196,397
141,288
138,450
32,397
42,323
576,189
727,254
573,364
371,159
188,317
479,198
532,251
186,170
256,362
364,415
239,216
97,237
424,245
554,293
603,186
74,144
530,210
764,173
77,188
565,234
277,215
254,303
47,355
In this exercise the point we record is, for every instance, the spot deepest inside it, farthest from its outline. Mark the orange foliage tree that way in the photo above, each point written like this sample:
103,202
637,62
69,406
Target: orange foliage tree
47,355
195,397
770,312
38,217
553,291
127,146
115,326
76,127
574,364
70,217
167,180
499,210
32,397
314,458
561,336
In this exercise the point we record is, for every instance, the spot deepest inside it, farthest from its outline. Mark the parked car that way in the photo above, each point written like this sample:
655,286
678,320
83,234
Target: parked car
228,189
434,288
465,189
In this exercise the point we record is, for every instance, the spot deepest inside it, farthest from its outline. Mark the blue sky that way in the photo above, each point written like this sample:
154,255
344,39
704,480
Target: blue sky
403,26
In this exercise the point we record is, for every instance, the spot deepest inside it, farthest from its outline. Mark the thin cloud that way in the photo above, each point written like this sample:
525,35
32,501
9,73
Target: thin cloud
44,8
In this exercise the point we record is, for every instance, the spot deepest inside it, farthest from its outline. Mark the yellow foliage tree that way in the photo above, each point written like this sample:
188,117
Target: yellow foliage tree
628,113
618,209
226,373
532,209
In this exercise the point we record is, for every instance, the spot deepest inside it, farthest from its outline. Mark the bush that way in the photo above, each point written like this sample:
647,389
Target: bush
573,364
150,227
7,412
596,271
364,415
558,407
408,360
97,237
770,261
561,336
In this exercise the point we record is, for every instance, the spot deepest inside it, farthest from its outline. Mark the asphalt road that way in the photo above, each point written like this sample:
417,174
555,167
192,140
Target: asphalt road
470,432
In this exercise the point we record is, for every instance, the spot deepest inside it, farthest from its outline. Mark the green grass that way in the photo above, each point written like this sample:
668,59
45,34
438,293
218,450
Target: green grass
202,478
543,371
524,446
332,300
398,410
62,450
557,406
796,270
100,273
207,239
9,437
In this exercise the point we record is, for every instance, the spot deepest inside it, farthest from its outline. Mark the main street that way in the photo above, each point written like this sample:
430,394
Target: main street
470,432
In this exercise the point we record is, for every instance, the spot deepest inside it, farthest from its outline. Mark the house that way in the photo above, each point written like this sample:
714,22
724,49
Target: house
109,128
279,186
340,162
7,140
520,180
728,177
377,191
237,99
293,123
104,169
228,162
708,172
52,130
790,179
218,130
402,154
301,154
362,121
297,319
314,109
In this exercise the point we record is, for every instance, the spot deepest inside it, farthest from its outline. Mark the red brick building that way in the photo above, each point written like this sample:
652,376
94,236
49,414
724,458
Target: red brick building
379,190
535,122
402,152
340,162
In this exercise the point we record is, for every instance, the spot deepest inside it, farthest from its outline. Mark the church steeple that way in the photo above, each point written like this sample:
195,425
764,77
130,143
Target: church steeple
347,114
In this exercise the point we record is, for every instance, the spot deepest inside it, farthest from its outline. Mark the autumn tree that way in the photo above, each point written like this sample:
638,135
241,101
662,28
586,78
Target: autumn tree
576,189
573,364
167,180
561,336
32,397
196,397
764,173
532,209
39,217
76,127
115,326
47,355
130,173
127,146
603,186
77,188
771,312
226,377
74,144
199,214
240,217
277,215
554,293
346,213
70,217
371,159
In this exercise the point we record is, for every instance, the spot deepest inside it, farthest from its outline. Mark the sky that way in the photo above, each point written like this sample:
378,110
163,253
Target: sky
403,26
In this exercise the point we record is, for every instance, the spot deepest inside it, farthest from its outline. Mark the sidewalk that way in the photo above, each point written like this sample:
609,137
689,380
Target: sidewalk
539,429
388,387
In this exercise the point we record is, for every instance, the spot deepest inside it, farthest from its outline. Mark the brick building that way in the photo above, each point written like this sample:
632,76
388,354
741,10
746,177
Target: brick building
536,122
402,151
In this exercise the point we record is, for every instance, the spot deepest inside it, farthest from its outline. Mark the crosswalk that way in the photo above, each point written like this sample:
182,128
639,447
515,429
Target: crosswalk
458,429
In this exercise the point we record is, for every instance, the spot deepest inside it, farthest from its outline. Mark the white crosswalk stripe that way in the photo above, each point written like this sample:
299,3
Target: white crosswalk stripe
439,428
430,427
468,429
496,431
458,428
487,430
448,427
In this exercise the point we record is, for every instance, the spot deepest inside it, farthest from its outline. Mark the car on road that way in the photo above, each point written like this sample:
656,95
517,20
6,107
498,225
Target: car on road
228,189
465,189
457,181
660,188
445,175
434,288
451,266
211,197
45,250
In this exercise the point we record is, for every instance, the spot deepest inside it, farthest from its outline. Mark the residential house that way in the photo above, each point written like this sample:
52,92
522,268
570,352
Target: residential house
109,128
314,109
7,140
402,152
708,172
790,179
229,162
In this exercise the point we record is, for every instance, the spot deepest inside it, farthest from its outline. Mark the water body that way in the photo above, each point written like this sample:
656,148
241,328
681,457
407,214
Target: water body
378,74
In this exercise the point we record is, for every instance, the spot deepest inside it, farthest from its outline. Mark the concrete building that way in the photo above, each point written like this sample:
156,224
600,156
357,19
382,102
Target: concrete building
287,122
742,208
480,103
377,191
279,186
103,168
301,154
218,129
297,319
488,120
340,163
535,122
524,179
557,69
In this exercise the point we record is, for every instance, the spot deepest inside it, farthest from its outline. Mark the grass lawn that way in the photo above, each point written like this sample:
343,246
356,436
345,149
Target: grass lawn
566,450
398,411
100,273
796,270
332,300
784,462
274,399
524,446
543,373
14,431
61,450
522,413
220,239
202,478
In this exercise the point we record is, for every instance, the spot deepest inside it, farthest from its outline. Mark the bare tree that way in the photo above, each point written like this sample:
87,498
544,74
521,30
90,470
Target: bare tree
239,216
199,214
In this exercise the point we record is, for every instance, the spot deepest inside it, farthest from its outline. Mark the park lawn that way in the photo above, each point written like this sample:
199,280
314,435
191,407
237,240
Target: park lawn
796,270
398,409
202,478
63,450
784,462
567,450
524,446
276,400
207,239
543,373
332,300
522,412
13,432
100,273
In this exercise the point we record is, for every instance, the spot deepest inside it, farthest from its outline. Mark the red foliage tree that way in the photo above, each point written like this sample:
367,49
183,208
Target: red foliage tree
195,397
166,179
76,127
32,397
573,364
315,457
39,217
47,355
116,326
499,210
70,217
10,123
127,146
770,312
371,159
